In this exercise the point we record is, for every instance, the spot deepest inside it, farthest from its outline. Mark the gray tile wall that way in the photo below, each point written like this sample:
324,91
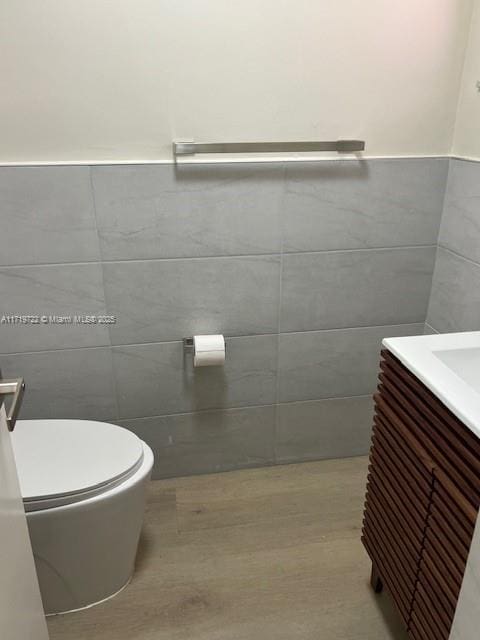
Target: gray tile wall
304,268
455,297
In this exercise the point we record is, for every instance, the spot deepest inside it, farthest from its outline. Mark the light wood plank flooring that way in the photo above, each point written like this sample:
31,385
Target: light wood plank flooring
267,554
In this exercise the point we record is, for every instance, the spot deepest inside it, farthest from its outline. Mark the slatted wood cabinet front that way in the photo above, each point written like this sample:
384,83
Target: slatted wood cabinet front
423,496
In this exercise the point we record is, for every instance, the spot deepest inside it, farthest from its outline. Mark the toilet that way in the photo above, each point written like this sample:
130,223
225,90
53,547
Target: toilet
83,485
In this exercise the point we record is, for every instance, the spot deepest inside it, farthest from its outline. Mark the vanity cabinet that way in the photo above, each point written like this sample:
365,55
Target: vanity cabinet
423,496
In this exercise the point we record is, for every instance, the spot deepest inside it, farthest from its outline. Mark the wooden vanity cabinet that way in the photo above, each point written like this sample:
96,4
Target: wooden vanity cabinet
423,496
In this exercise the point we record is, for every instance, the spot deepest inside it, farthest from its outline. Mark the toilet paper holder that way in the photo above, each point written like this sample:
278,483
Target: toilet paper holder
188,343
206,350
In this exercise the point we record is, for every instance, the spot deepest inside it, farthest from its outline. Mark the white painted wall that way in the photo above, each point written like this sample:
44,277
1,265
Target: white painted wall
466,141
101,80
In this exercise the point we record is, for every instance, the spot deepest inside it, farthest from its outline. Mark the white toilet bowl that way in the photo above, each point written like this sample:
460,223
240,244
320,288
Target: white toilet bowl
84,486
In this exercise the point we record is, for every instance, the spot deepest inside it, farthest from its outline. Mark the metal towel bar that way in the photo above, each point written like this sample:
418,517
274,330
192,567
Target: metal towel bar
189,148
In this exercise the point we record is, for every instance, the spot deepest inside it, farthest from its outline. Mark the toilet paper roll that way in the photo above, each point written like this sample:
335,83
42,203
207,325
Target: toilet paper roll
208,350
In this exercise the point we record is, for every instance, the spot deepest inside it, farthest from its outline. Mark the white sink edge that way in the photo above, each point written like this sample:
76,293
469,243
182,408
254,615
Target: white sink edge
417,354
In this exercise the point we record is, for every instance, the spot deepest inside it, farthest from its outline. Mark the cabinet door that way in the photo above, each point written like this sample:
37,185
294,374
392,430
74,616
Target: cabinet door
425,465
399,491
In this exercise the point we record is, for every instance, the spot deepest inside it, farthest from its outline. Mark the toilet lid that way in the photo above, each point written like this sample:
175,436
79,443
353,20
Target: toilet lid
66,457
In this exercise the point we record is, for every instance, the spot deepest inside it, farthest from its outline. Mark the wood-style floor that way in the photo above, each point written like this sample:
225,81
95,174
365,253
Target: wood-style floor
267,554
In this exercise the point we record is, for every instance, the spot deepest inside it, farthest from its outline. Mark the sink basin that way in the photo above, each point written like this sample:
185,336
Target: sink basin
449,365
465,363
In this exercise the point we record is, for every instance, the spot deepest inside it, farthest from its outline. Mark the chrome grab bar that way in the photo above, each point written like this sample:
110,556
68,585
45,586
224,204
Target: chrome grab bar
15,387
188,148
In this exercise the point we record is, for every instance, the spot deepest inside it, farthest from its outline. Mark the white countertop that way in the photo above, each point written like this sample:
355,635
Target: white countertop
449,365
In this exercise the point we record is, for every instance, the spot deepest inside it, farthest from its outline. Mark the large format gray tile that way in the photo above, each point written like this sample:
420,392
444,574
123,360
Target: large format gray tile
46,215
376,203
338,363
355,288
460,229
75,383
166,212
58,290
208,441
334,428
455,298
158,379
164,300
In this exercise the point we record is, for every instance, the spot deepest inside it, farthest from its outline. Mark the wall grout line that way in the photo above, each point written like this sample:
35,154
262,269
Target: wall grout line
101,262
431,327
464,158
430,289
444,199
233,337
92,193
442,216
246,407
363,249
113,376
459,255
279,324
219,257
